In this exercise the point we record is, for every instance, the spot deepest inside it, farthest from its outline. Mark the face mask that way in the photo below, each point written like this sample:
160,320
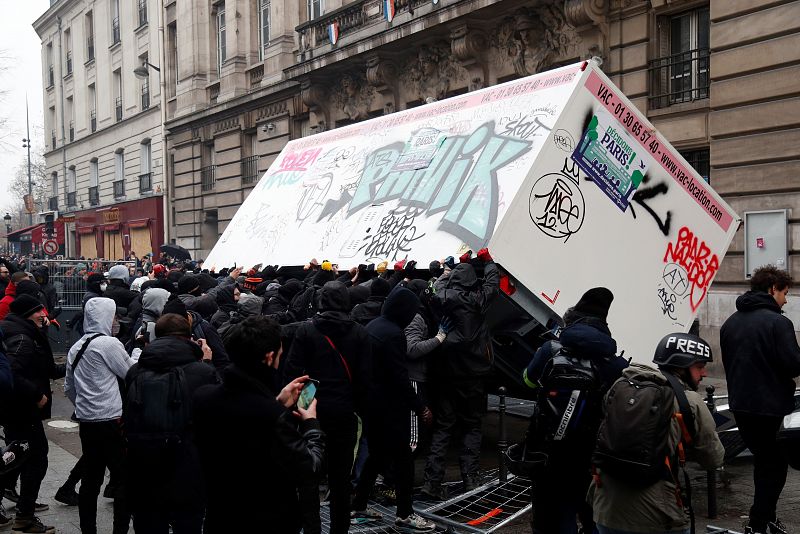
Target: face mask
103,286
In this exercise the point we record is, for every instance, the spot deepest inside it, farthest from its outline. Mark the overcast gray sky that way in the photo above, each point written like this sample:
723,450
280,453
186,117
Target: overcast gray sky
20,49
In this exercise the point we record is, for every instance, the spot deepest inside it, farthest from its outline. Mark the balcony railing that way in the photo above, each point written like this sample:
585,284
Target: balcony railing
681,77
119,189
146,182
118,108
71,131
72,199
51,81
142,12
93,120
250,170
89,49
208,178
115,31
52,204
213,93
315,32
145,96
53,139
69,63
94,196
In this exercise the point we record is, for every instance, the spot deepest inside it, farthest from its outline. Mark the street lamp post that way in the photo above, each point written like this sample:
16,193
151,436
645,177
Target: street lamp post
7,219
26,143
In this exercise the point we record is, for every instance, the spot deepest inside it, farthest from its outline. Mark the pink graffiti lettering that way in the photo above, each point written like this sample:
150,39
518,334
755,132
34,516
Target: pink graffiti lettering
299,161
695,256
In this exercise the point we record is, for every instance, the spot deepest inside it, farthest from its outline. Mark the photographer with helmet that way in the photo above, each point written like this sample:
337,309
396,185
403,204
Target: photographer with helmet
654,421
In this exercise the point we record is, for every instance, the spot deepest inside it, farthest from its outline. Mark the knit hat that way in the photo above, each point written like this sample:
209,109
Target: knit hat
290,288
327,266
118,272
188,284
251,282
26,305
379,288
382,266
595,302
174,305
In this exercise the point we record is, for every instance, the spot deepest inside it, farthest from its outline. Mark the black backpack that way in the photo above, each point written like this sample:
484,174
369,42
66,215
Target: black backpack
157,412
632,443
569,400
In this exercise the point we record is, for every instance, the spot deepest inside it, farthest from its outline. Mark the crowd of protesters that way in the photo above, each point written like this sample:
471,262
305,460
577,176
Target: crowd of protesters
191,387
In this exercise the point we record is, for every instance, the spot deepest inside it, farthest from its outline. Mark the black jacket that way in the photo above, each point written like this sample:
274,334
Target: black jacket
366,312
340,393
202,329
391,393
42,275
760,355
118,291
253,454
6,378
181,487
32,364
466,352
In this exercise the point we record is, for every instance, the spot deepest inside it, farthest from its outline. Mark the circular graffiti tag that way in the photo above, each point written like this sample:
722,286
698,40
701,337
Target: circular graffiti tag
556,206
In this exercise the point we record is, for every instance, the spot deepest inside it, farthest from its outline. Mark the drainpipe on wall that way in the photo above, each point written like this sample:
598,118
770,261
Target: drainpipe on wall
162,85
63,133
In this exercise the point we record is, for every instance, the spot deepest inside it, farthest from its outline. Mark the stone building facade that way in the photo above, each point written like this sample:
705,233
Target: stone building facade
103,125
718,77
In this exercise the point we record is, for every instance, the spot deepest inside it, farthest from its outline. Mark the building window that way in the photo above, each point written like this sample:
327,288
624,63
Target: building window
54,183
67,53
316,8
145,170
94,193
89,29
118,95
172,57
71,187
71,115
681,74
92,105
115,36
50,75
119,174
221,52
142,5
699,160
263,27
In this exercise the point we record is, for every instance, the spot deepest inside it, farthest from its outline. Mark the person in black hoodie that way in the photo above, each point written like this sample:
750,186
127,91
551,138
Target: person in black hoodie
391,399
366,312
254,452
42,276
201,329
335,350
279,302
463,363
162,494
32,364
559,491
761,357
117,288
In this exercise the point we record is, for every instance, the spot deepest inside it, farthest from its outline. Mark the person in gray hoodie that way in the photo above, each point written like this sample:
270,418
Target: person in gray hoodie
94,365
144,330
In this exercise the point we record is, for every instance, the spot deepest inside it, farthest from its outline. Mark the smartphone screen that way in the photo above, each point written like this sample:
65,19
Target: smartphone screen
307,395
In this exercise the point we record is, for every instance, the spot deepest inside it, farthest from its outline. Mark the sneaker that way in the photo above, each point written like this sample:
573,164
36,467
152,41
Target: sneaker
434,491
776,527
5,521
30,525
12,495
67,496
358,517
414,523
40,507
471,482
750,530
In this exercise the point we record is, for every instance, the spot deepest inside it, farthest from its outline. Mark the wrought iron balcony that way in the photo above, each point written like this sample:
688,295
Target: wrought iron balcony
250,170
145,96
72,199
53,139
681,77
71,131
118,108
94,196
119,189
52,204
208,178
93,120
51,81
115,31
145,182
89,49
69,63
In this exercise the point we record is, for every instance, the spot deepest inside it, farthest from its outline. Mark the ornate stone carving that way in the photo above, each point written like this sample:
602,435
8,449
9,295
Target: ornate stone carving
382,75
580,12
469,48
314,96
353,96
430,72
532,39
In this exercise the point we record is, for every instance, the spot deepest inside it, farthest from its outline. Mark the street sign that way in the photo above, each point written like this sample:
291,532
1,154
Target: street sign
50,247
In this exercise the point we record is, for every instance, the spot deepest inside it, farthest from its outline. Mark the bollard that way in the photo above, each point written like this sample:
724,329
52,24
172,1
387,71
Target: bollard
711,474
502,442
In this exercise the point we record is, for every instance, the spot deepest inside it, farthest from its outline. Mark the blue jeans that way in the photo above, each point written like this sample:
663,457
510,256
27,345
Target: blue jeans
605,530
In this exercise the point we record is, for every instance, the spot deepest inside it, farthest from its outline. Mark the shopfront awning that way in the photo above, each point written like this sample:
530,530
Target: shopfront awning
25,230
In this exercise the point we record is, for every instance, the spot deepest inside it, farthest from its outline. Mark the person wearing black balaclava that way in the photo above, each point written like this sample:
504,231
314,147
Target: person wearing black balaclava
335,350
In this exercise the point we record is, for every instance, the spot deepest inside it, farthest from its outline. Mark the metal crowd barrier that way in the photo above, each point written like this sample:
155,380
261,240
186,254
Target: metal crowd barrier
70,284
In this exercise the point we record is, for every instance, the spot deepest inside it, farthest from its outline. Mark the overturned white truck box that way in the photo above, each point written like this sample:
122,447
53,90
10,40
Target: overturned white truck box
558,174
